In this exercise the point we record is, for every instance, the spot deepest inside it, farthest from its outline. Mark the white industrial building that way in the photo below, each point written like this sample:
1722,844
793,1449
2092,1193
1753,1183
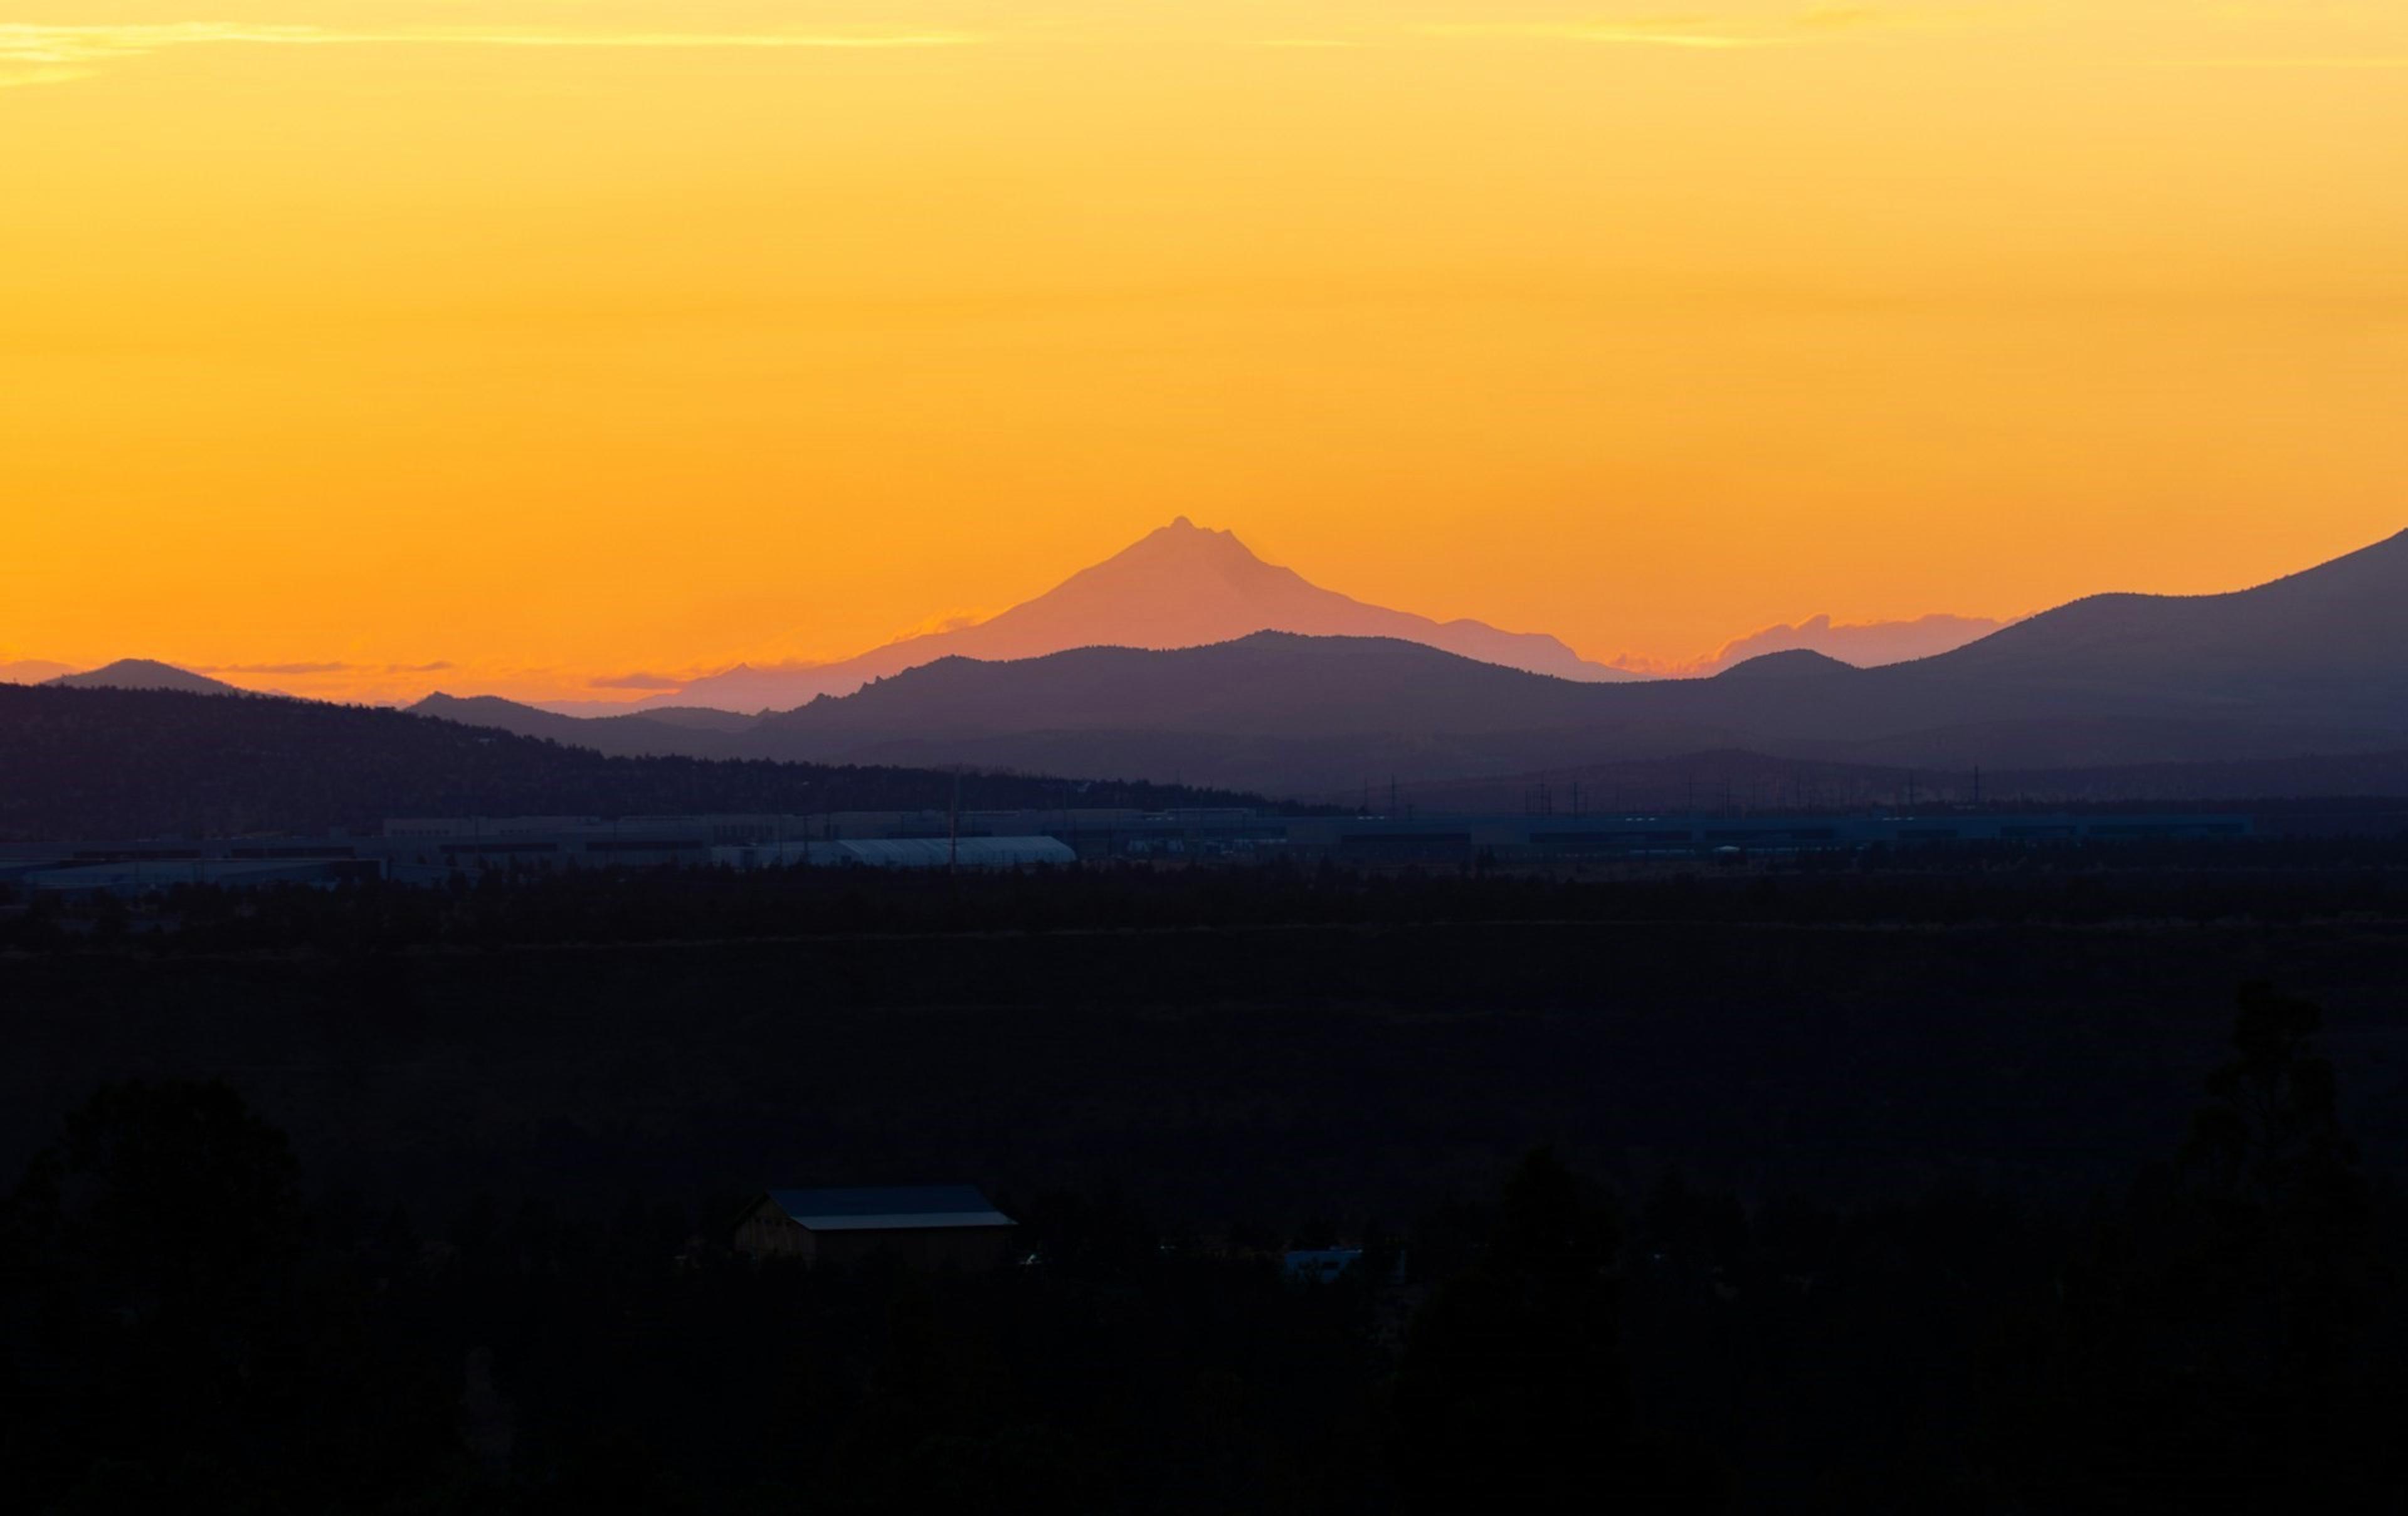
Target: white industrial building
983,852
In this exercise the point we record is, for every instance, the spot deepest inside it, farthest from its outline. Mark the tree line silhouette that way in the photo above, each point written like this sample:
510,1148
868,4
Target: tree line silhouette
2279,881
185,1326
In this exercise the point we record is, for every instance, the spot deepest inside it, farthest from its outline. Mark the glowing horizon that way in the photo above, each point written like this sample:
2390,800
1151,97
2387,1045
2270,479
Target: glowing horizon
562,343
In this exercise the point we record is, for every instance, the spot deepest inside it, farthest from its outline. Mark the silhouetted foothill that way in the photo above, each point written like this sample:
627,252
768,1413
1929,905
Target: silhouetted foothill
116,763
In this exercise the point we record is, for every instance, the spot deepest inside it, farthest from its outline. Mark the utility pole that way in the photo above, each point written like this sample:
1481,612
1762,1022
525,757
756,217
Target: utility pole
953,826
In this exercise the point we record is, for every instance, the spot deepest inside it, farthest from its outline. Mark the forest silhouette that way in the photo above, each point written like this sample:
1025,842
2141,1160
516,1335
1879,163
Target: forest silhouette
1667,1198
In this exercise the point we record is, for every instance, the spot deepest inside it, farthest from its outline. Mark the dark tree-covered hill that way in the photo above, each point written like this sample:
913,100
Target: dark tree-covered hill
123,763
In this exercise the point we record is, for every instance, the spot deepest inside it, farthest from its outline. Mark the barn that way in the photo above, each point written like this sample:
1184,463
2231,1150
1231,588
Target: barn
933,1226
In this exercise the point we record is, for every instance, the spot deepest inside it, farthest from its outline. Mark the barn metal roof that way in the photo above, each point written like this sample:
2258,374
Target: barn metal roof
907,1208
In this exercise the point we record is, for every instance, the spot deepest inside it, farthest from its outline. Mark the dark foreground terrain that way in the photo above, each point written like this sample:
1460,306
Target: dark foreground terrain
1999,1184
112,762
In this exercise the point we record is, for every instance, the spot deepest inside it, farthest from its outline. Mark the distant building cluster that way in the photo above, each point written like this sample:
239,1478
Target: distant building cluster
936,1228
434,850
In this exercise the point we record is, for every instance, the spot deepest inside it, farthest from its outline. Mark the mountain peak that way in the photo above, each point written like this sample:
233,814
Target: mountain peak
145,674
1183,532
1181,585
1787,663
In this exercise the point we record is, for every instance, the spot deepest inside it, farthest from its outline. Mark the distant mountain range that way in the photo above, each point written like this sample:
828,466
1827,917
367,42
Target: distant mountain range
2312,664
1179,586
144,674
104,763
666,731
1865,644
2310,667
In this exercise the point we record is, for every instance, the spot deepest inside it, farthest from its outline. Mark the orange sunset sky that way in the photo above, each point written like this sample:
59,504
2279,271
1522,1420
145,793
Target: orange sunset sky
557,340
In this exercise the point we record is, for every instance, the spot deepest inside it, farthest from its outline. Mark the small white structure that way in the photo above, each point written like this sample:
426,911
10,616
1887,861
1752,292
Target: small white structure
983,852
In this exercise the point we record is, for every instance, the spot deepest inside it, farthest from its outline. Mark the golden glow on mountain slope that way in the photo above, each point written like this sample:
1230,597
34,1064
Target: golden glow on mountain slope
573,340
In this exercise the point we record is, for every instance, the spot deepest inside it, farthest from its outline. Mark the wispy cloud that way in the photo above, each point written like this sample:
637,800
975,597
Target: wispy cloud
271,668
1687,32
638,680
1845,19
936,626
319,667
2399,61
1734,27
39,53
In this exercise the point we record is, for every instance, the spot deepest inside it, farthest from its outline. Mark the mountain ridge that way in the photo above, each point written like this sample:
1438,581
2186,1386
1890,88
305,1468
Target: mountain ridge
631,735
144,674
1179,586
107,762
2310,664
1860,644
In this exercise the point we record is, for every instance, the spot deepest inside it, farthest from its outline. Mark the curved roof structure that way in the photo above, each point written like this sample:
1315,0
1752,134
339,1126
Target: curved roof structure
906,1207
